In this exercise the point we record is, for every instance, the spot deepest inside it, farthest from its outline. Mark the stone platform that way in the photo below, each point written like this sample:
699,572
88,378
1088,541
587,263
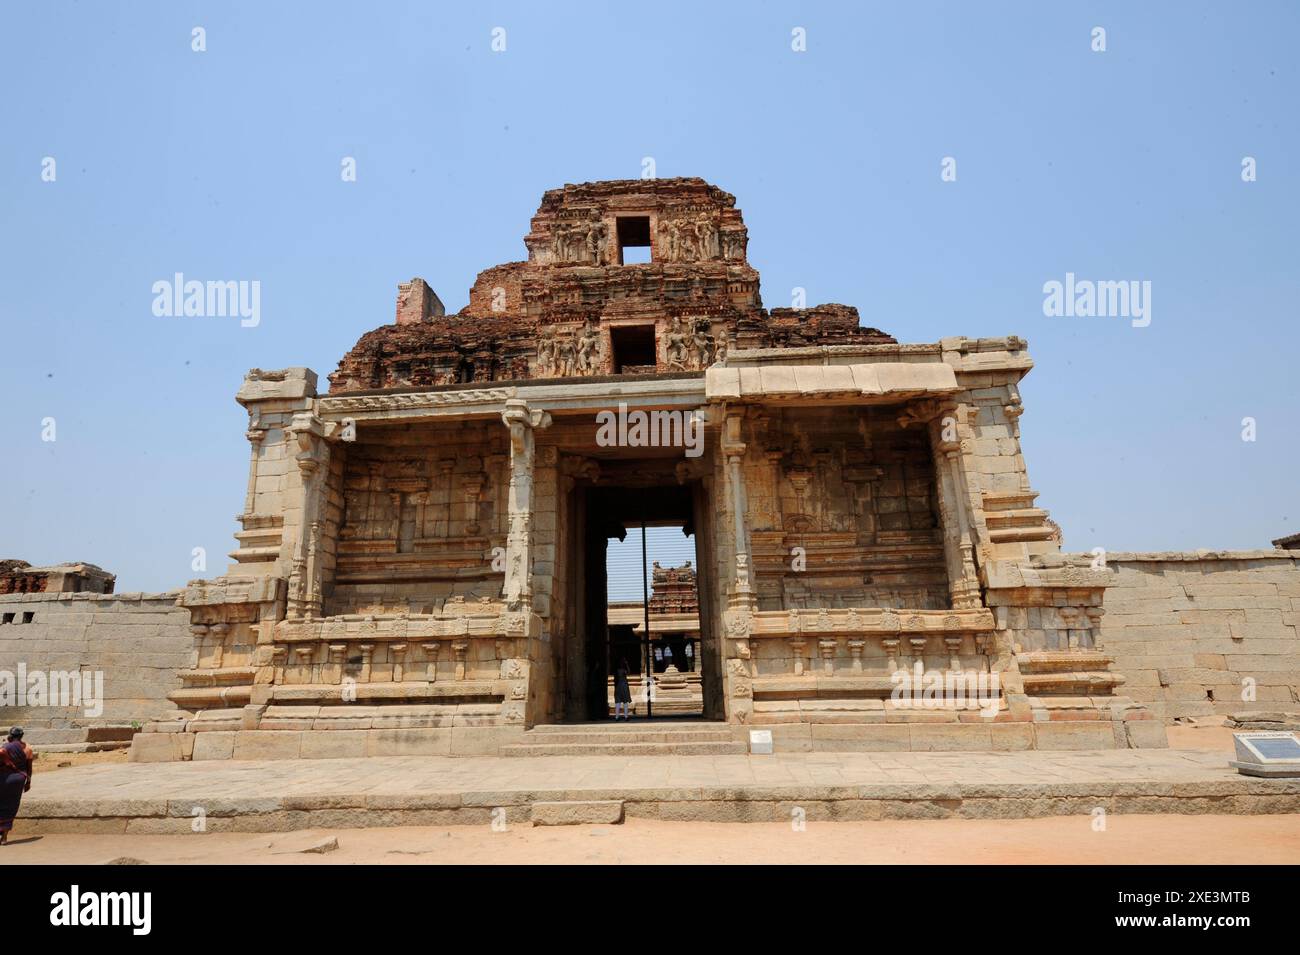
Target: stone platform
631,738
286,795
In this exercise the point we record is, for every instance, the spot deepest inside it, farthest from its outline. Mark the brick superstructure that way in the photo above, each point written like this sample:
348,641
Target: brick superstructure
575,309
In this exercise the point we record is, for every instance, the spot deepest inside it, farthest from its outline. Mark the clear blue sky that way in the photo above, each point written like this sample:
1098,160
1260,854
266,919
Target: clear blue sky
226,165
623,561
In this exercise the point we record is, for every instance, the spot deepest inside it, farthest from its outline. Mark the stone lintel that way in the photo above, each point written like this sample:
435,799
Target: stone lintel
883,382
571,397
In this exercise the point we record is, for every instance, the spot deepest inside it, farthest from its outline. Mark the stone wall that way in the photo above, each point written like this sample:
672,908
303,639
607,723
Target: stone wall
138,641
1186,629
856,493
420,510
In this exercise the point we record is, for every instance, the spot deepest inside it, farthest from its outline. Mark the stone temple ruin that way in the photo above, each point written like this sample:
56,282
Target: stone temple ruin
421,554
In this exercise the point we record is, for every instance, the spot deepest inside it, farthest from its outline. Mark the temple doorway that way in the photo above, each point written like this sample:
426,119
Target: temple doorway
652,621
641,594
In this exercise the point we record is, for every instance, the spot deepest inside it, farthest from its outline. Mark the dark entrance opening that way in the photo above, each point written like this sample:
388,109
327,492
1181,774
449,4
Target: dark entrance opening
653,619
634,348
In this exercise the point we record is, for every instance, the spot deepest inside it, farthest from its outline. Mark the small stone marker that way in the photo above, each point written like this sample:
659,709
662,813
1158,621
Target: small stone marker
760,742
329,845
1273,755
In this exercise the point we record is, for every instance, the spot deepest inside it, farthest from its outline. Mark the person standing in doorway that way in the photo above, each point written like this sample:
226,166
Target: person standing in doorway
622,692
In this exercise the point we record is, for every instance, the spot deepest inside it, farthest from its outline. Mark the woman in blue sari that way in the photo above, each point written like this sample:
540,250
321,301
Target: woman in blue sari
15,779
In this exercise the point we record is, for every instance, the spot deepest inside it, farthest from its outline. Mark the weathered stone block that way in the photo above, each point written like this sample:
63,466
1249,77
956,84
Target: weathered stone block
587,812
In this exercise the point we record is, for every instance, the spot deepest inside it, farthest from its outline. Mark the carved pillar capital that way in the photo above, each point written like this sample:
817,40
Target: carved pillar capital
1094,615
890,645
797,645
828,648
431,660
953,642
918,643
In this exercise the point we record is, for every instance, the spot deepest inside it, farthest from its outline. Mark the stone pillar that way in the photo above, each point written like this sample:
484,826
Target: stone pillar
1068,638
918,652
953,642
255,433
828,648
306,437
521,421
890,645
733,449
337,658
944,418
1094,615
797,645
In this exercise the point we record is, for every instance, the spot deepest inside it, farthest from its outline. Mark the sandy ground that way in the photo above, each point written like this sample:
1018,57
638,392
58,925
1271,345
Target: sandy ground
1062,839
51,762
1213,736
1154,839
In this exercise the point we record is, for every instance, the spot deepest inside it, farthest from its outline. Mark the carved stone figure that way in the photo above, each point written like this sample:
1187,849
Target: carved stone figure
565,356
588,351
596,248
546,353
702,345
675,346
733,244
706,236
668,240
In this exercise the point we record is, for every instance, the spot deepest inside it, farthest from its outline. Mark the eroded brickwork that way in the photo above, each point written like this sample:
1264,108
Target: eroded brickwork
20,577
574,310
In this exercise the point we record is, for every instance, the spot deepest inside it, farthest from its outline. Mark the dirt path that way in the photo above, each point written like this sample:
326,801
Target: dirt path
1070,839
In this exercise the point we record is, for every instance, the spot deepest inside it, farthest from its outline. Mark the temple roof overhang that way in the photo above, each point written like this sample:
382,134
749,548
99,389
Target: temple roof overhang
841,375
880,383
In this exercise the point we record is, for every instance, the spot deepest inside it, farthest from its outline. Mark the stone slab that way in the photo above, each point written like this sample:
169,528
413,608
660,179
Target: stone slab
586,812
281,795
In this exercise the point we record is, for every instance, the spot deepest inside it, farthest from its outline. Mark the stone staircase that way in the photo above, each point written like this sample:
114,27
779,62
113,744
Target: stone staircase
641,738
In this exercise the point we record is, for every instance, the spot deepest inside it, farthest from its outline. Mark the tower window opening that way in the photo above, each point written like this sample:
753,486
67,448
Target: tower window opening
634,240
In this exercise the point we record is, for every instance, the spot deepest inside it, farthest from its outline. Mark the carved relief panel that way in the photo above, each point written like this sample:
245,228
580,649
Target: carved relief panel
691,343
580,240
844,513
569,351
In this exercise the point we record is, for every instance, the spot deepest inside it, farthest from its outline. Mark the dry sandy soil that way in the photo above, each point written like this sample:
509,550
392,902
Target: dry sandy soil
1061,839
1068,839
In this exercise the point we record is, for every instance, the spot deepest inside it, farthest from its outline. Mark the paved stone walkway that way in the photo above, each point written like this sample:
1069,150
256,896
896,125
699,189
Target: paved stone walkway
404,774
412,790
